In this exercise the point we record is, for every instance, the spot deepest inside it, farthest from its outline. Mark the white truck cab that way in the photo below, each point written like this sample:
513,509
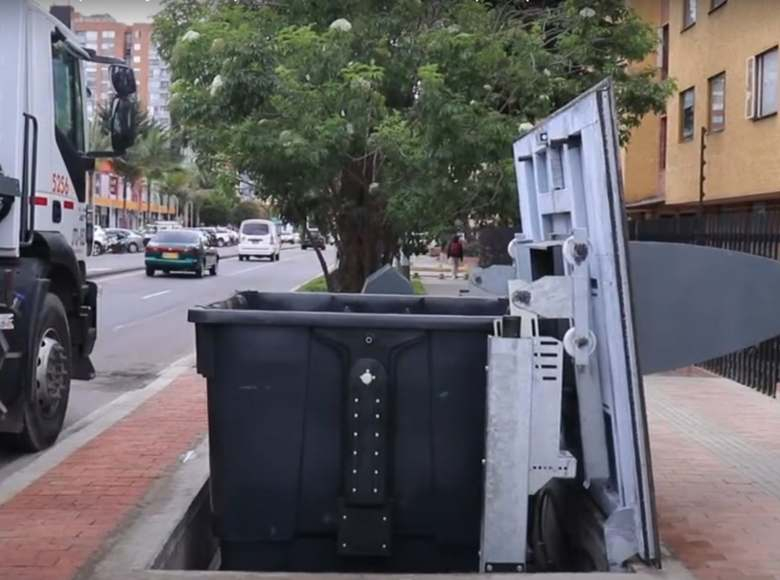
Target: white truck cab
47,307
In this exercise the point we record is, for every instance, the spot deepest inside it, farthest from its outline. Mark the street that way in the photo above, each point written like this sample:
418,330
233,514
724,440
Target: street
142,322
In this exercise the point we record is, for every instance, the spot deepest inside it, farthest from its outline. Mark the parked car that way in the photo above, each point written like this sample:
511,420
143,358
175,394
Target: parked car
227,236
180,251
148,233
287,238
259,238
132,241
211,236
313,239
99,241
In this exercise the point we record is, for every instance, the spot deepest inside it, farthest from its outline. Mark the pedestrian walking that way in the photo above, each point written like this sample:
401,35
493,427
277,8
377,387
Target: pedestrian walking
455,253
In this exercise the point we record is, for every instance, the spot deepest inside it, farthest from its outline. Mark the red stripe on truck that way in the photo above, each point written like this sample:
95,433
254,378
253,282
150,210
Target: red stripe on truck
39,200
68,204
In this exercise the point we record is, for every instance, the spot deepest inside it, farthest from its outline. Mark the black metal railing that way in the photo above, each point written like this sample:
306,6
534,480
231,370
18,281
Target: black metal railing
753,232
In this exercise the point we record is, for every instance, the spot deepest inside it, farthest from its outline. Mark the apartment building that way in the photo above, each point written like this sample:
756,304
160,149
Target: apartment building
132,43
716,147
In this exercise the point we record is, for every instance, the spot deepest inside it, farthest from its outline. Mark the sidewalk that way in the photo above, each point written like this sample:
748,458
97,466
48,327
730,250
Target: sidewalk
715,457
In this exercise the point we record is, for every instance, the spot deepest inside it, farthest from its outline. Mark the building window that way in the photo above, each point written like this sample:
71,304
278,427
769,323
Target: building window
137,46
136,59
766,83
92,35
662,144
714,4
687,103
109,34
665,51
689,13
717,104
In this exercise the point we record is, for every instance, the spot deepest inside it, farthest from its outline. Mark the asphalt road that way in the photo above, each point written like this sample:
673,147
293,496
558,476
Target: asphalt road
142,324
107,263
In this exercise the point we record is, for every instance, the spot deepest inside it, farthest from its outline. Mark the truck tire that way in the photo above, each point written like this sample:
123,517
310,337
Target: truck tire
47,385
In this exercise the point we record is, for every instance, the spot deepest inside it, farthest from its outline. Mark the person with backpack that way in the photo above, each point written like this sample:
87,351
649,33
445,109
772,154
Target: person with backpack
455,253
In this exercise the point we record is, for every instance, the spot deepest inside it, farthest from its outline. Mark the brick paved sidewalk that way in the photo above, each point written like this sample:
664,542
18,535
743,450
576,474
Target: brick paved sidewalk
715,453
716,461
50,529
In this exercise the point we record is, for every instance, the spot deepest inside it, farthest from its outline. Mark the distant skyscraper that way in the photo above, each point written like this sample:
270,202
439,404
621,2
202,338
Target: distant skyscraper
132,43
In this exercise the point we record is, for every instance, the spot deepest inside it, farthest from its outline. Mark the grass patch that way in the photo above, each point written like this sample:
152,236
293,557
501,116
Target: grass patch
318,285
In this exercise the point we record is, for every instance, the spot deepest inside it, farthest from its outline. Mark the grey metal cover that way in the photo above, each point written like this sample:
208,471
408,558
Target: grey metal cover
569,180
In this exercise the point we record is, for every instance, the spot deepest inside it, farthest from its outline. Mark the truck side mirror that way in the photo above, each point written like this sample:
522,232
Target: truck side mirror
122,124
123,80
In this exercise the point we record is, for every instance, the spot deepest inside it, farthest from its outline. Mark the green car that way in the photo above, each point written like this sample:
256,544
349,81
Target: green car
180,251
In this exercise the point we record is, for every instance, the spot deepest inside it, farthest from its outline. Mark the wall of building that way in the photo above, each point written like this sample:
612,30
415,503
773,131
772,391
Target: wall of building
641,171
742,159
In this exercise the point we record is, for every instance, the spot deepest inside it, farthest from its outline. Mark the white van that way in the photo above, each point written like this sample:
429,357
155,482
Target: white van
259,238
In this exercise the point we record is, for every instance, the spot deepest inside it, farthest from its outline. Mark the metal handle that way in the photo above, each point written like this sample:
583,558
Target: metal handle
29,175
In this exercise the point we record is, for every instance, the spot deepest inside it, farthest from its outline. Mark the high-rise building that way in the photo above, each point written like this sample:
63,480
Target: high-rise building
132,43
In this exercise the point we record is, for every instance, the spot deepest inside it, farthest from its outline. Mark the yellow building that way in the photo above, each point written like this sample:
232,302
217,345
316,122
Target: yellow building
723,56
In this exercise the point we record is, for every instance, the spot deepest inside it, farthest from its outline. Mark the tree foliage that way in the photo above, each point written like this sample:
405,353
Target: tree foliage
215,209
382,119
249,209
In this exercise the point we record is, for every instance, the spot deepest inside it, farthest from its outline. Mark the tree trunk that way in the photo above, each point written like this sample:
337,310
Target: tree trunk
365,241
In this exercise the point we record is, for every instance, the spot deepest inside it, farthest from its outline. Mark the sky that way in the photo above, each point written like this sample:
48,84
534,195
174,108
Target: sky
127,11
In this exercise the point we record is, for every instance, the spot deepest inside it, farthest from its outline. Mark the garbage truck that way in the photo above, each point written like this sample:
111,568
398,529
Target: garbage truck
422,434
48,308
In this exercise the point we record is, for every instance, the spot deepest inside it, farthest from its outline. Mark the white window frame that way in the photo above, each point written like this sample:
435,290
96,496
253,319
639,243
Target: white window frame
759,69
710,103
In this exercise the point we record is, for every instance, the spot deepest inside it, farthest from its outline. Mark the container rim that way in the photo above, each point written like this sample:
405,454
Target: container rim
209,317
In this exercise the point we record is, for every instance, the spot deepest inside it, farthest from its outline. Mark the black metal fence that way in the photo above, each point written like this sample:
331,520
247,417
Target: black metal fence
753,232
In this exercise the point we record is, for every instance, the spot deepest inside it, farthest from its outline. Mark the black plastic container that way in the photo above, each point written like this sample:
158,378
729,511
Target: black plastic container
346,431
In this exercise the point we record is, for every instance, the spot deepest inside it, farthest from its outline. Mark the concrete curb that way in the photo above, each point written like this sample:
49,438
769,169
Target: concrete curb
86,429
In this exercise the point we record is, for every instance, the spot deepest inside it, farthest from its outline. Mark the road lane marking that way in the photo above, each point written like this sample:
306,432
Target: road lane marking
148,296
245,270
143,320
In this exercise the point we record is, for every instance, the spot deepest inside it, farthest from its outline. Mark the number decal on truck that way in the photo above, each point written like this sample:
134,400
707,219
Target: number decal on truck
60,184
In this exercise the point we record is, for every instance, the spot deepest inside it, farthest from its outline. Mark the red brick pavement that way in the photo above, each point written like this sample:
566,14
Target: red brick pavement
52,528
717,509
720,518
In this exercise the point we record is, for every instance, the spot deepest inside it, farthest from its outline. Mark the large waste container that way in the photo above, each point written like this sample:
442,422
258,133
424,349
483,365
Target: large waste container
346,431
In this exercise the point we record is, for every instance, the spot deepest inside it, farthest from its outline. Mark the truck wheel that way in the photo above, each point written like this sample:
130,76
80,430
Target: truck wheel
48,382
213,269
132,247
220,242
199,271
149,271
97,249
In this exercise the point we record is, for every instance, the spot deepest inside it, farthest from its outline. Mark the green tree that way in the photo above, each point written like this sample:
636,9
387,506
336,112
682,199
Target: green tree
215,209
377,119
153,156
250,209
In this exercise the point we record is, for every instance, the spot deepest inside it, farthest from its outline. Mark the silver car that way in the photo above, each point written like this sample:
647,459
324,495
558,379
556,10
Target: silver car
132,241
